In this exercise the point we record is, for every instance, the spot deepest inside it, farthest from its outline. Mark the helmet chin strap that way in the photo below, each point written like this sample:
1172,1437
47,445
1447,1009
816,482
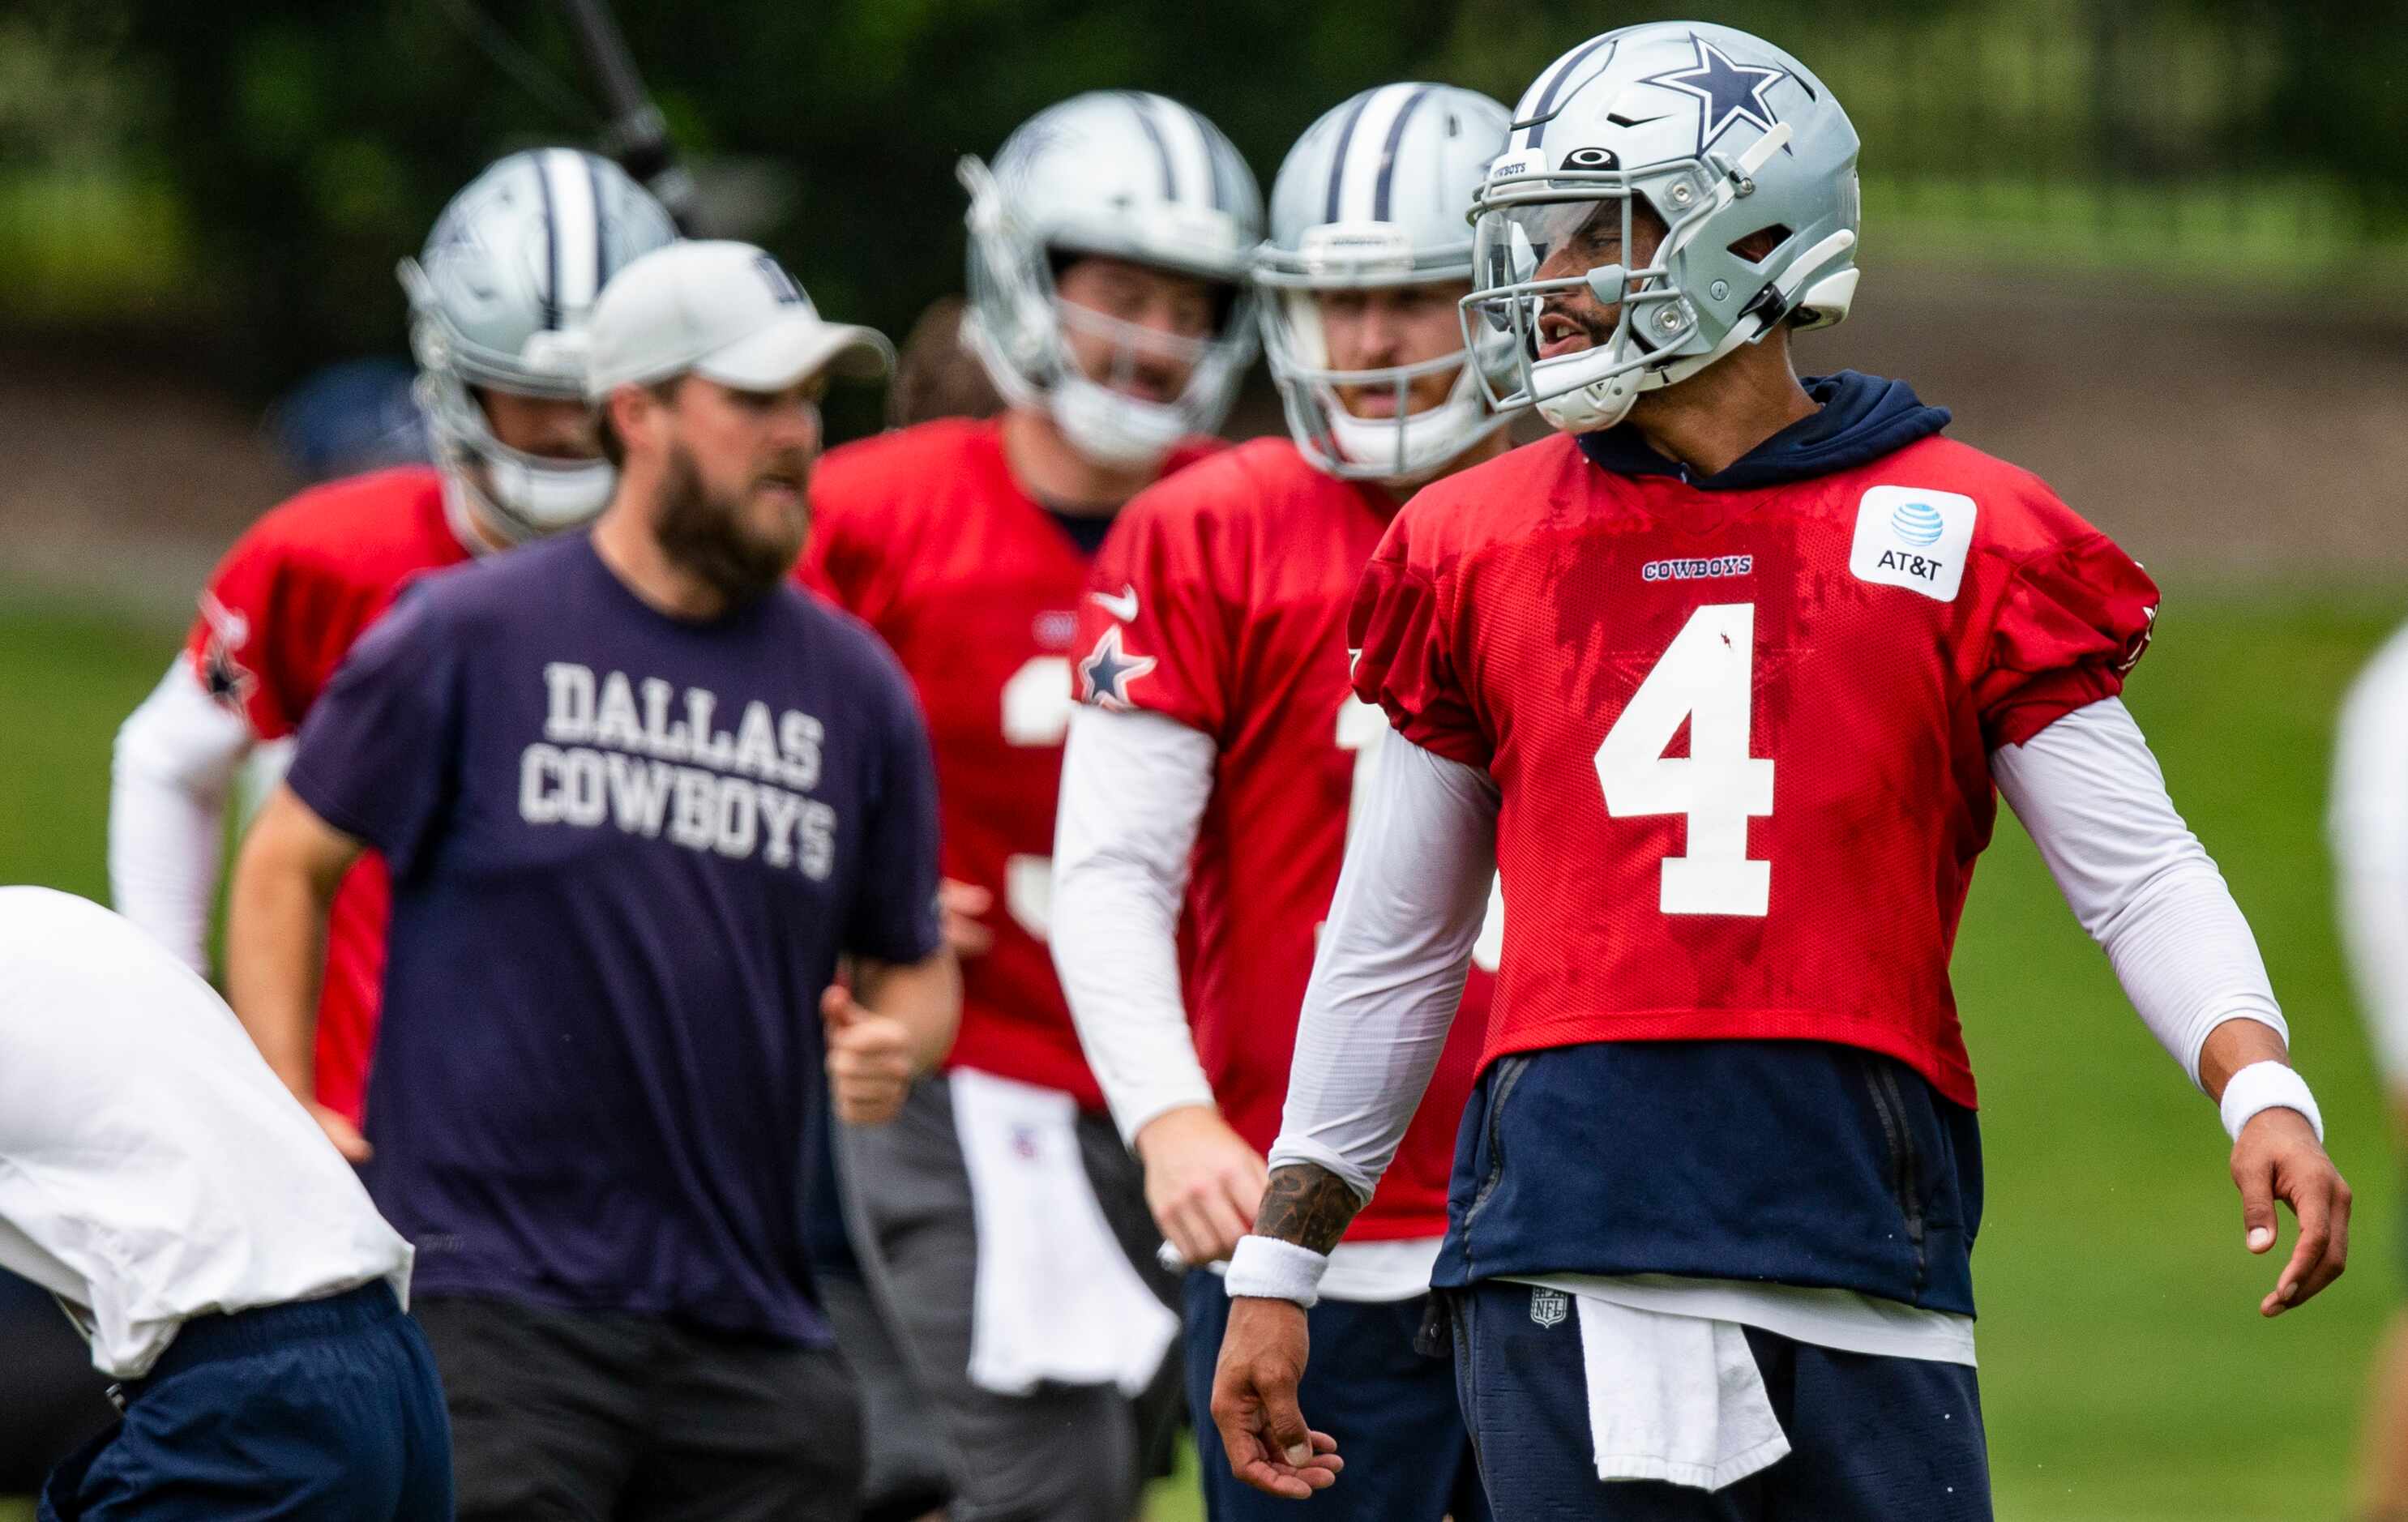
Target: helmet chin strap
1418,443
1111,428
508,497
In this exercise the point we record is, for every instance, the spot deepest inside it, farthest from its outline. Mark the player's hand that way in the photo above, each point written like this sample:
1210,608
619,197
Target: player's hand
340,1131
2278,1157
959,906
1202,1181
1253,1402
868,1059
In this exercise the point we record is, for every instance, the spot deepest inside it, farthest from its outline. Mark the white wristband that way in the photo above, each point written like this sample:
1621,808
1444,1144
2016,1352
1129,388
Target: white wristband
1268,1268
2268,1085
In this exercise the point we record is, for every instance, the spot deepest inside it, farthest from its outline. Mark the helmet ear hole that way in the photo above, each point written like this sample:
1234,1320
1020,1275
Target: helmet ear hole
1761,245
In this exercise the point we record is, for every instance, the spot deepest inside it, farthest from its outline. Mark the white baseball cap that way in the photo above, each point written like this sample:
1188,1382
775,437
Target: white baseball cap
725,312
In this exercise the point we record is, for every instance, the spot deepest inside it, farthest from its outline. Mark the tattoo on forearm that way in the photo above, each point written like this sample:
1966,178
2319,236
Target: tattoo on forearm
1306,1205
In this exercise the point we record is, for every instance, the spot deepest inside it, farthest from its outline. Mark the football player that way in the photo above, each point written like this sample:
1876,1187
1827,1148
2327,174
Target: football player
1727,681
1003,1218
507,274
1218,727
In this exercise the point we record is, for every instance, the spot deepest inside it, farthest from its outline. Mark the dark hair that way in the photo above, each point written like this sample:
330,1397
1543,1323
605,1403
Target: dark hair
613,449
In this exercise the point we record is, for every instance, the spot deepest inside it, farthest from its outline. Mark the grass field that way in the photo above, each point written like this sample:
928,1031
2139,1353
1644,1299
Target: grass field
2125,1372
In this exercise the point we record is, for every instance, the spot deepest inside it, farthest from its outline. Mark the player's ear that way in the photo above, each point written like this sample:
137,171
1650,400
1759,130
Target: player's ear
630,413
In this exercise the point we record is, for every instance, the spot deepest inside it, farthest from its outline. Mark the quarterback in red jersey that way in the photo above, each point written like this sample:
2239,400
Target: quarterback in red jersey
1109,307
512,265
1219,751
1725,684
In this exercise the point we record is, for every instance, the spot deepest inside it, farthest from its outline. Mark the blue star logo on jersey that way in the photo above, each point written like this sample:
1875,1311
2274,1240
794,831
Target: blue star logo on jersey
222,672
1105,675
224,678
1727,91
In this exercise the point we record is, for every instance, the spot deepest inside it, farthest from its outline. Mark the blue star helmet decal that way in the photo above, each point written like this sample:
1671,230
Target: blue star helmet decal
1104,676
1727,91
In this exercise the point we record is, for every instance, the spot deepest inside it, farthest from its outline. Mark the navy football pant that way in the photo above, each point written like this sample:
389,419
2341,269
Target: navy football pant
1391,1407
1869,1437
326,1411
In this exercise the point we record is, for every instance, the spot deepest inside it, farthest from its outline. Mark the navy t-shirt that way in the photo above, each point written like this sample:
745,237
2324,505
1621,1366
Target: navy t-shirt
626,852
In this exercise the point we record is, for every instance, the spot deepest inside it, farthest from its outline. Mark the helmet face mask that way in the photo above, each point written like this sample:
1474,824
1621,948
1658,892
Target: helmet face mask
1729,143
1407,445
497,300
1371,198
1125,175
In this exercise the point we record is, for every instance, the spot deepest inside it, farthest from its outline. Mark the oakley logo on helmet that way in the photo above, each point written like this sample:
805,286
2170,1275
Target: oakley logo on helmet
1727,91
1592,158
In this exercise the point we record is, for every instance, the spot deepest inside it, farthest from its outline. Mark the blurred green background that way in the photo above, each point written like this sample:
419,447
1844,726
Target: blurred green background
2157,251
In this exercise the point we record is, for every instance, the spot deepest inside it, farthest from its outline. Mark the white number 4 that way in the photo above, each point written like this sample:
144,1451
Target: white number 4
1707,676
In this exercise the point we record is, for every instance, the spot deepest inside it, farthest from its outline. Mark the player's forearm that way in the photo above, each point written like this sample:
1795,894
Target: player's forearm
1134,789
1307,1205
925,995
1394,957
172,768
2235,1044
285,883
2090,793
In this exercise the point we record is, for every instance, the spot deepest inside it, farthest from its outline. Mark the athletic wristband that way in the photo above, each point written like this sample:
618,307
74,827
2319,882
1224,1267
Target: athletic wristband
2268,1085
1268,1268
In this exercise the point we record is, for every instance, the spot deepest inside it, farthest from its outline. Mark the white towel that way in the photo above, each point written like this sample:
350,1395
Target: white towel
1675,1398
1056,1300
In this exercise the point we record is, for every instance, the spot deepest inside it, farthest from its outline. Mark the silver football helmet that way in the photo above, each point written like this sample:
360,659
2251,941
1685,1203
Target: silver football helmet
1721,134
1373,194
1137,177
497,300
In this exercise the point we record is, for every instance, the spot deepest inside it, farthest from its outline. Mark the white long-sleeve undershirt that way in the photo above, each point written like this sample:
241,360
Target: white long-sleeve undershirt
177,758
2369,831
1135,787
1134,790
1392,954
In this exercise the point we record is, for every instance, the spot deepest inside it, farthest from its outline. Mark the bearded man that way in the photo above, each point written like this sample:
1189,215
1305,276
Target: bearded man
639,795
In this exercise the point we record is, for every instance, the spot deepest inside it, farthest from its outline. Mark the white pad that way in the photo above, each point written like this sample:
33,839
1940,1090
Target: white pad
1674,1397
1055,1299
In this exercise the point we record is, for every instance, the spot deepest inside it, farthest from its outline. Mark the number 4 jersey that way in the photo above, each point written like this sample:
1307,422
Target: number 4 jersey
1741,726
925,534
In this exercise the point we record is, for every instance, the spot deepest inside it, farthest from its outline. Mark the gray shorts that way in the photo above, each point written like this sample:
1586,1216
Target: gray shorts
1061,1453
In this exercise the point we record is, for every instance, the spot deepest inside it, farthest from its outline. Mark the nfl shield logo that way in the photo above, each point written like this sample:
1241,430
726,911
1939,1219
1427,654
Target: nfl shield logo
1548,1307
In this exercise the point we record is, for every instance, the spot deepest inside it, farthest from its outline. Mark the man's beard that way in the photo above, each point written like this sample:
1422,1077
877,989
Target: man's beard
710,537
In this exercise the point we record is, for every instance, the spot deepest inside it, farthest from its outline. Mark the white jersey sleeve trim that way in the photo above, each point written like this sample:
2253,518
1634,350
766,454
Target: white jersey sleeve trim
1134,788
1392,959
174,763
2091,794
2369,831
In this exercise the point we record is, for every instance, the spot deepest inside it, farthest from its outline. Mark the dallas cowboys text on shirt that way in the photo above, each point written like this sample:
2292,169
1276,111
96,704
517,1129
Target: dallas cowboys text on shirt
639,755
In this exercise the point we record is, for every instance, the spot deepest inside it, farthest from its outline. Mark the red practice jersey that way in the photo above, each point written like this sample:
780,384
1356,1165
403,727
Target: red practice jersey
278,617
1220,599
1742,736
924,534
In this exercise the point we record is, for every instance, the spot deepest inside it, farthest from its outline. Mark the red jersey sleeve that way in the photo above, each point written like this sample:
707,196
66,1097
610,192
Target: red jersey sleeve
245,646
1407,662
1154,629
2074,619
